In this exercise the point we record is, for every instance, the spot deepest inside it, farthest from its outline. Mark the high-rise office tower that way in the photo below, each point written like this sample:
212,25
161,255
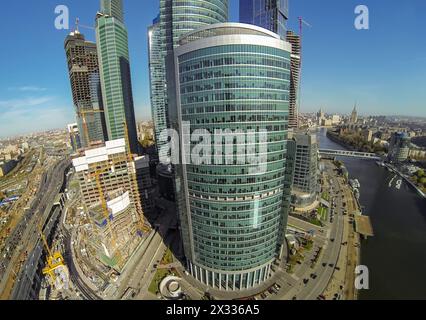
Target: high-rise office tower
232,207
113,53
399,147
268,14
305,182
293,117
176,18
83,71
354,116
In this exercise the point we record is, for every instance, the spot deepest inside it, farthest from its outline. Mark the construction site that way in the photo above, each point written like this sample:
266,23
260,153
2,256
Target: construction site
110,220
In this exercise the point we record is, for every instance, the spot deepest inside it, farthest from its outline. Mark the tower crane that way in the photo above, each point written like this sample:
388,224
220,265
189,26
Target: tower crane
55,263
302,22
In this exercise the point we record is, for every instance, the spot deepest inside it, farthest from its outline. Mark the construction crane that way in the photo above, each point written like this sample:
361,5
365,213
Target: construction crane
131,158
105,210
78,25
55,262
302,22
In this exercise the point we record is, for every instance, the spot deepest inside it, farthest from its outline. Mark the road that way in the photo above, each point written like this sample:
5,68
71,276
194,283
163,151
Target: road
26,234
293,286
87,293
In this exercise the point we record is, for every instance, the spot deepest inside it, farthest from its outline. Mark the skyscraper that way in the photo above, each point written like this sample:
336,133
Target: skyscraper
354,116
113,52
176,18
232,210
83,68
293,117
399,147
305,181
75,139
268,14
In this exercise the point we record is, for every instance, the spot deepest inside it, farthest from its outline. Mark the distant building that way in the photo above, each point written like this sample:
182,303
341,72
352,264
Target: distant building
399,147
305,182
335,119
74,134
7,167
320,117
354,116
367,135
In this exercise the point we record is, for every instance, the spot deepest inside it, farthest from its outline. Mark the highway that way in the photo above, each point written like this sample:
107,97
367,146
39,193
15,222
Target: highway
25,236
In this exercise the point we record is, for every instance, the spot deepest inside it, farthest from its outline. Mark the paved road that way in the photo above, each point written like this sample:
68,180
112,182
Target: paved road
87,293
26,234
293,285
314,288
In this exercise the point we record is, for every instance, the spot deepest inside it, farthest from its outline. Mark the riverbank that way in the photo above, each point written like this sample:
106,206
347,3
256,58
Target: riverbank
399,221
406,178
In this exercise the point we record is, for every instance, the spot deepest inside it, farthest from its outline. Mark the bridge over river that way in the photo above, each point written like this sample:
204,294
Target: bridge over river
351,154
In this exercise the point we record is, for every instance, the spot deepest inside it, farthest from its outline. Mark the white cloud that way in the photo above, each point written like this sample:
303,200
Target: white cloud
28,89
24,102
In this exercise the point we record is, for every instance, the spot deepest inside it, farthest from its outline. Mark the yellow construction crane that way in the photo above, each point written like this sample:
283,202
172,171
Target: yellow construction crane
105,209
54,261
131,158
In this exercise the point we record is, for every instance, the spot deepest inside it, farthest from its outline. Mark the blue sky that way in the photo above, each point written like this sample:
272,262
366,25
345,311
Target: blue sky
383,69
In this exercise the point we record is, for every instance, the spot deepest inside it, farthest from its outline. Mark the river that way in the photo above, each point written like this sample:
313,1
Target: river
396,255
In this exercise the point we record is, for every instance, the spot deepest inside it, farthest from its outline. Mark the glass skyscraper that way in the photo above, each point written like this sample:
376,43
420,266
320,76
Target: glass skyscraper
268,14
113,52
233,217
176,18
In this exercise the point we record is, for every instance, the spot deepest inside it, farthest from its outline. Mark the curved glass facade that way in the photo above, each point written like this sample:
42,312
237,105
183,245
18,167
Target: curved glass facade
235,215
177,17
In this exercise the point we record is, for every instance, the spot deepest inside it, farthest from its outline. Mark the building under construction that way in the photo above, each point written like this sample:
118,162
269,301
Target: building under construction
107,177
83,68
293,118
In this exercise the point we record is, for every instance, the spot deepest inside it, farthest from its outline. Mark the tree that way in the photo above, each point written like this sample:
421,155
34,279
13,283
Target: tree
420,173
2,196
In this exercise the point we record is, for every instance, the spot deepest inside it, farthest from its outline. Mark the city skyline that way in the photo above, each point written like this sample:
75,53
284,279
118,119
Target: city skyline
213,150
31,103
